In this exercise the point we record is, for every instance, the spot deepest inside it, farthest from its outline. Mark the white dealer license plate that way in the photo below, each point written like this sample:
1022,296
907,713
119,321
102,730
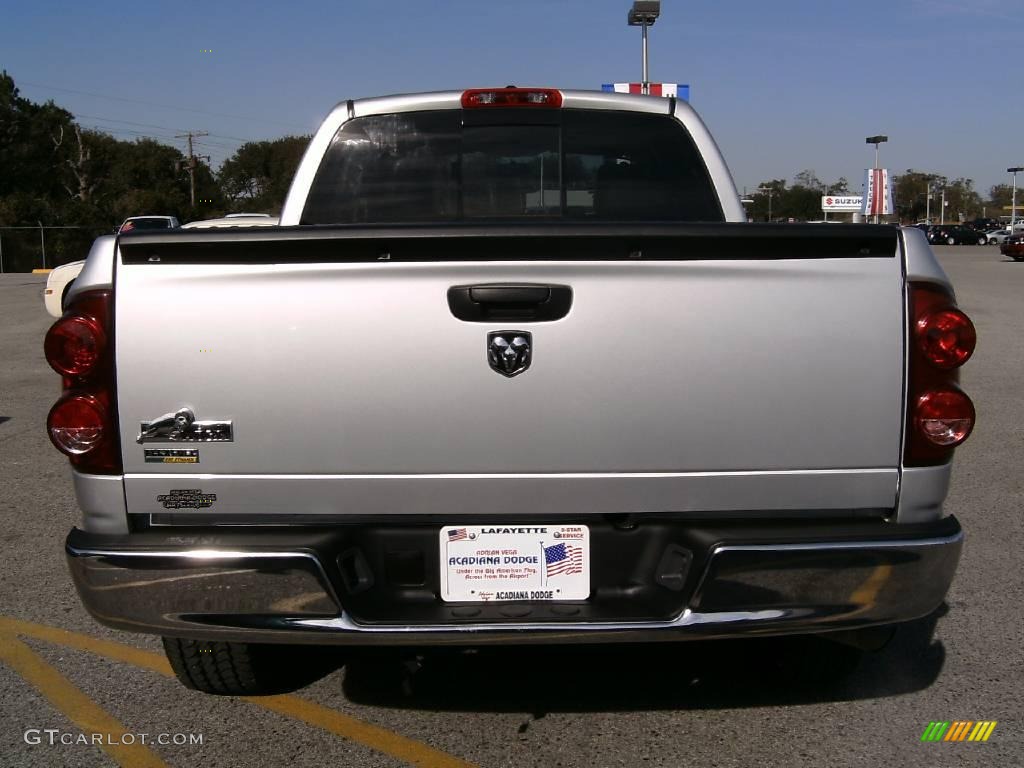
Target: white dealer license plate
502,563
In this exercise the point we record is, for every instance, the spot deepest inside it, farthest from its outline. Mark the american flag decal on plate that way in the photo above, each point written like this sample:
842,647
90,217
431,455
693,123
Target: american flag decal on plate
563,558
457,534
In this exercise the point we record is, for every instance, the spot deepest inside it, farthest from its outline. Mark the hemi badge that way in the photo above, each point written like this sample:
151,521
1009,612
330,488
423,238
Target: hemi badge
172,455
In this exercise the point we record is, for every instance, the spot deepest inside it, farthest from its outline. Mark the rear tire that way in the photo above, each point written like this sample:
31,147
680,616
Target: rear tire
982,241
245,669
950,241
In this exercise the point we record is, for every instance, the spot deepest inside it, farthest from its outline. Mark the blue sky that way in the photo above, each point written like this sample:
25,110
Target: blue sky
783,86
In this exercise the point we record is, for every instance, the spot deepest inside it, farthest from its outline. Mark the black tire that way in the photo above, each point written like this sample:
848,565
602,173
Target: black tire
950,241
246,669
982,241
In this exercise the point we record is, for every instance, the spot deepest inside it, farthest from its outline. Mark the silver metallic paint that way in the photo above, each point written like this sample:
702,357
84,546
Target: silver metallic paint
327,369
448,497
101,500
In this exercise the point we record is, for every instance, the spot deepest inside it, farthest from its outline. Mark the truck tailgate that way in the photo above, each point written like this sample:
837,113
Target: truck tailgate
701,368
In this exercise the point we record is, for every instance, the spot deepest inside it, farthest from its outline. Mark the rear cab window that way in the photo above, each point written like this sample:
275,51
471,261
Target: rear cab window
511,164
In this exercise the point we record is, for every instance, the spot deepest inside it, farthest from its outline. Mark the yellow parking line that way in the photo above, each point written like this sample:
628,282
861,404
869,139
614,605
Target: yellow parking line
90,717
111,650
379,739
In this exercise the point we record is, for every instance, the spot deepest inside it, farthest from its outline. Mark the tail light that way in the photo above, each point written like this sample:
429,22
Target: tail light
939,415
74,345
511,97
77,424
82,424
946,338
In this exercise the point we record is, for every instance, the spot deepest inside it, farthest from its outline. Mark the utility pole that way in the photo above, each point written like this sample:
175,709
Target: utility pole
193,160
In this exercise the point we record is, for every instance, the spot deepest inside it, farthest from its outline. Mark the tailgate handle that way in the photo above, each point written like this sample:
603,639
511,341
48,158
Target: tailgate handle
501,302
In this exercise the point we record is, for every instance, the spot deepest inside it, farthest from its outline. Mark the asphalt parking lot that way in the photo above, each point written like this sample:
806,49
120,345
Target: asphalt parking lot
709,704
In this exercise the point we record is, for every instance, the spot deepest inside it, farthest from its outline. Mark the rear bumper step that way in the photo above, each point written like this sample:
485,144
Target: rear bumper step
655,580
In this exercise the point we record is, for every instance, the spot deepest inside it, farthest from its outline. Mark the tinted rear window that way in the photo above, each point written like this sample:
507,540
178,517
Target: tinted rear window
569,164
147,224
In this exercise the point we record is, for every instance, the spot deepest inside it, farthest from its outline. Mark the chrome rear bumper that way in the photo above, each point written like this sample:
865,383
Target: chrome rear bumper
195,586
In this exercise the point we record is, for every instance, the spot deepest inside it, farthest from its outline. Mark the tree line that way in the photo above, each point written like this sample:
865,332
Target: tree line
83,182
776,200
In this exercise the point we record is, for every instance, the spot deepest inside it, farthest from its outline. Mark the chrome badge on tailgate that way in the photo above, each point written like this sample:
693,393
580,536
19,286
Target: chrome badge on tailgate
182,427
509,352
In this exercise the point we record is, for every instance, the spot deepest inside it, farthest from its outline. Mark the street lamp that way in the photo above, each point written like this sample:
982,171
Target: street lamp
643,14
768,191
1013,200
876,140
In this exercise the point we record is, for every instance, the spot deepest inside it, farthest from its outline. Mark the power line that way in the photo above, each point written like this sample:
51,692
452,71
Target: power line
159,106
127,122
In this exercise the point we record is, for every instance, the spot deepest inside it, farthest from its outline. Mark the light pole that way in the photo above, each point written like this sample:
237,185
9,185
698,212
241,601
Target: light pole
768,191
876,140
643,14
1013,199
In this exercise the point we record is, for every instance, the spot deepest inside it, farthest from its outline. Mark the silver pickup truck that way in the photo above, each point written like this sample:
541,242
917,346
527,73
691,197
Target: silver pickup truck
513,369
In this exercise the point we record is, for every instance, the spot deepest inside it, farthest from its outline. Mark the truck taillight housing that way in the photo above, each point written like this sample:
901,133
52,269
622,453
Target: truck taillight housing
939,415
511,97
82,424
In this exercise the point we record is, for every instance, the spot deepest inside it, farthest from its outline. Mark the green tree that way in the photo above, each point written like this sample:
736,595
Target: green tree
910,191
256,178
766,200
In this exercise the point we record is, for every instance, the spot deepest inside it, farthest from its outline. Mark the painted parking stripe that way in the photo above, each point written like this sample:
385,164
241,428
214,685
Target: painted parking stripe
65,697
376,738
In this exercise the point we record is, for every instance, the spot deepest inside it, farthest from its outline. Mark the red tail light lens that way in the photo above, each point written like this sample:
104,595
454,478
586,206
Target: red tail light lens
77,424
83,423
74,345
946,338
511,97
944,417
942,338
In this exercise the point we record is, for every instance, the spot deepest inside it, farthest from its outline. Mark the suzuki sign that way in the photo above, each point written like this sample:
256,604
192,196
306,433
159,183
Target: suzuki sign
841,203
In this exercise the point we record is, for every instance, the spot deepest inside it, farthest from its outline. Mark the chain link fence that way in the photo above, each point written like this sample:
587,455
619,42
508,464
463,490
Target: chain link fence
24,248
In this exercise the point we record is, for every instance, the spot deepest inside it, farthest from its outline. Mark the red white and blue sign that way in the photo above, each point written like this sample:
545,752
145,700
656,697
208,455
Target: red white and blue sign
877,193
680,91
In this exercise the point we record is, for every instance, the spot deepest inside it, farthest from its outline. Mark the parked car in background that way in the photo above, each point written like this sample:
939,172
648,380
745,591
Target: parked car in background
57,286
138,223
984,224
1013,247
997,236
235,220
955,234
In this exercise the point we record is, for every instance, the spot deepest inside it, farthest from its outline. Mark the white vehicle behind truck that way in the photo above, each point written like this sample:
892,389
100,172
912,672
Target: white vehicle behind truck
513,369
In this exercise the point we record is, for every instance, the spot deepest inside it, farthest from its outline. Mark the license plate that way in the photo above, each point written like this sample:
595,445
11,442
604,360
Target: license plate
503,563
